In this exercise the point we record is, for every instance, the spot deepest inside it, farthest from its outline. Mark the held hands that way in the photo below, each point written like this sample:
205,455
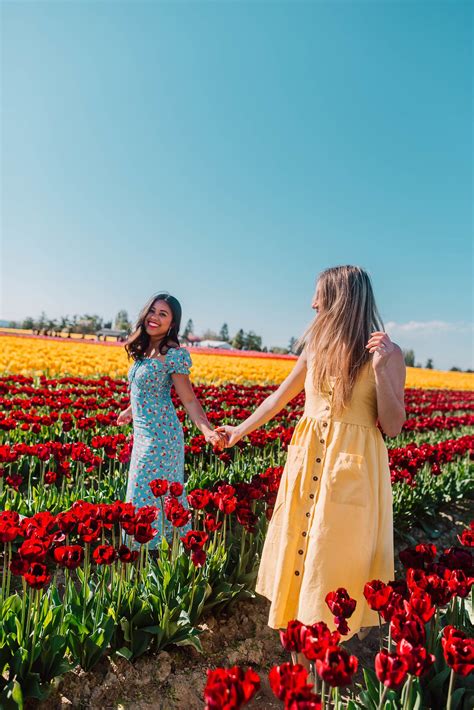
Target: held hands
125,417
382,347
216,438
231,434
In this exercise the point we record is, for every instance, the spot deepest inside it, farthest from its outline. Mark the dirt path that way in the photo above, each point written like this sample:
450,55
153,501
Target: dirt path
174,679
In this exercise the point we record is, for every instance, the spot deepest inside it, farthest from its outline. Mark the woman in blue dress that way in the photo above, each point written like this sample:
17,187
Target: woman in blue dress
158,440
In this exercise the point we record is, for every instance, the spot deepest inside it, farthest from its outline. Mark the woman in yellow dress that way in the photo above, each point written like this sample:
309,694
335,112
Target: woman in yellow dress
332,522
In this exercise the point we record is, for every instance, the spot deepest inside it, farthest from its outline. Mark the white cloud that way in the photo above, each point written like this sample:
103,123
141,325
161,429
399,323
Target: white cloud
448,343
428,327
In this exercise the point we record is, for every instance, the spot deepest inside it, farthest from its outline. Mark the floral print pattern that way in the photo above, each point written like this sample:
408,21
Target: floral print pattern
158,440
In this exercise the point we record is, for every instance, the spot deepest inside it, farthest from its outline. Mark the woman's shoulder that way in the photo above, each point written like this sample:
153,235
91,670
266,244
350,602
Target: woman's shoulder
178,359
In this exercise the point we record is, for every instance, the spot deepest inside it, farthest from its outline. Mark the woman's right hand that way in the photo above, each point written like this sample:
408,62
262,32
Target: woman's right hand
232,434
124,417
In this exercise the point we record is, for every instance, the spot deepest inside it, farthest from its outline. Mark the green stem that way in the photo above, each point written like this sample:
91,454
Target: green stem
23,609
406,694
382,698
450,690
37,603
380,631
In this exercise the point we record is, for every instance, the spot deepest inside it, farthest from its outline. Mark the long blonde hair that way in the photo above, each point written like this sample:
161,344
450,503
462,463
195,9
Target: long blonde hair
335,341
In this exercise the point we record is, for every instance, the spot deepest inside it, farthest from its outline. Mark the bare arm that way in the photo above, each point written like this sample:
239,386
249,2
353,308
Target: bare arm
390,373
273,404
196,413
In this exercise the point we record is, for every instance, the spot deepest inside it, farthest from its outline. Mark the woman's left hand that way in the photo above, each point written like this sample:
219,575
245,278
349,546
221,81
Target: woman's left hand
217,439
382,347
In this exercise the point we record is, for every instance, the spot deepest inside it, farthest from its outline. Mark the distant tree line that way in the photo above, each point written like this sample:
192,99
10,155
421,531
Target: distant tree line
83,324
409,356
89,325
242,340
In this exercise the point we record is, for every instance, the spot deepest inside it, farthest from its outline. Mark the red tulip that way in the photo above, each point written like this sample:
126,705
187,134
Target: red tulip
467,538
390,668
194,540
199,498
287,678
342,606
458,650
419,661
316,639
175,489
230,688
337,667
420,604
377,594
293,639
144,532
303,699
409,626
126,555
37,575
104,554
69,556
159,487
211,524
8,531
198,557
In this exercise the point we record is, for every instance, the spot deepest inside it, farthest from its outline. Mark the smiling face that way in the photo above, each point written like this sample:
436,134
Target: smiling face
158,319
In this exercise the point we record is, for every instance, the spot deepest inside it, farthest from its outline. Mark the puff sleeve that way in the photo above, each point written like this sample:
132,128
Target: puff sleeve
179,361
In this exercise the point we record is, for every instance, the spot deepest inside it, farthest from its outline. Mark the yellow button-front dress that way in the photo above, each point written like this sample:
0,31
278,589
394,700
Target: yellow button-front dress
332,523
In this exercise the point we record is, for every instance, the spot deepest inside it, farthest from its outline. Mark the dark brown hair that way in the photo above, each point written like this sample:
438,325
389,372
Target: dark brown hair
138,342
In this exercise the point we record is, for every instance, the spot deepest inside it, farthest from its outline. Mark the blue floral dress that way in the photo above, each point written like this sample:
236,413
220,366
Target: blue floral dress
158,440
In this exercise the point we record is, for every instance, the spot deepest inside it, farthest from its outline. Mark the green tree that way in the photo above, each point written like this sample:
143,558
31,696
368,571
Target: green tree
121,321
188,328
41,323
292,345
51,327
63,324
224,333
28,324
238,340
429,364
409,356
252,341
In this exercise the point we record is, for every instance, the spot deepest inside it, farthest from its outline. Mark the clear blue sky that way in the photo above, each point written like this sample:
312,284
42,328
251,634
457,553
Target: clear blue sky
229,151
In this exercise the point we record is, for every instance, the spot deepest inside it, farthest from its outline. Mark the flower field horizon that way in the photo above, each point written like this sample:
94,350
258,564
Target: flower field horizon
79,583
36,355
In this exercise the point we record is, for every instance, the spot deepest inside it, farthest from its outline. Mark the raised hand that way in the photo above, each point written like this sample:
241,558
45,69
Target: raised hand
232,434
382,347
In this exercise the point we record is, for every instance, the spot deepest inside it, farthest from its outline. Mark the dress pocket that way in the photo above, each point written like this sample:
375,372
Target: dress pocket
348,480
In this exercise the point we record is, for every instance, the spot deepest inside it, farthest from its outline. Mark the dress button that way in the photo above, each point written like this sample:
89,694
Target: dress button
325,423
311,495
318,460
328,407
321,441
304,534
297,573
315,478
300,552
308,514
